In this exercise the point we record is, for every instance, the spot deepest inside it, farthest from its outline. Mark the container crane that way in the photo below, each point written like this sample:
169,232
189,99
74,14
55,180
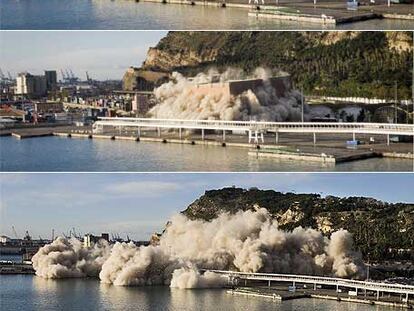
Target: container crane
14,230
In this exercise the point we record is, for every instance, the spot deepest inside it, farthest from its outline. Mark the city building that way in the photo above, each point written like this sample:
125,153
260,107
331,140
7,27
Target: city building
48,107
51,80
4,239
30,85
90,239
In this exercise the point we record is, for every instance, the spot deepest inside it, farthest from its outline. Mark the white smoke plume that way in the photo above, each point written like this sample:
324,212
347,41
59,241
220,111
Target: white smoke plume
184,278
180,98
65,258
248,241
340,248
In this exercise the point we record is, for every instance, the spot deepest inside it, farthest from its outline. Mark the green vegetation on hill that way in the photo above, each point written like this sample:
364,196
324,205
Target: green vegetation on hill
381,230
365,64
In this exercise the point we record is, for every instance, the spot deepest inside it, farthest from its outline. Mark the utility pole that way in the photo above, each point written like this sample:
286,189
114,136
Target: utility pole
395,102
302,102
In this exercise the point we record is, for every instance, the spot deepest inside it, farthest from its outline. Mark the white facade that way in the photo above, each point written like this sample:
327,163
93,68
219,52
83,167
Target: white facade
4,239
27,84
87,240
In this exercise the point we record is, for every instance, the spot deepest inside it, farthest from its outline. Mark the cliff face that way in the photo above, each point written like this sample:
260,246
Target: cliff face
400,41
378,227
324,63
143,80
185,49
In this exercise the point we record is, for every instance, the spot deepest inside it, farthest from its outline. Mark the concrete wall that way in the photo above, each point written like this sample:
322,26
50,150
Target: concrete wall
212,89
280,84
237,87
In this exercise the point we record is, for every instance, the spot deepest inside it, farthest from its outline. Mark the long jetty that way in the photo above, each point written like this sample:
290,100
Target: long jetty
315,281
316,11
254,129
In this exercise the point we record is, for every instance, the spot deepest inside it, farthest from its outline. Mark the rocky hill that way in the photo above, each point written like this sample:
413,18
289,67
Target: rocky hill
324,63
381,230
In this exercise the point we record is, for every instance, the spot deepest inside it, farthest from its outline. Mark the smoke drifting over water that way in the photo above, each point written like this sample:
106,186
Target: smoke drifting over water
247,241
180,99
66,258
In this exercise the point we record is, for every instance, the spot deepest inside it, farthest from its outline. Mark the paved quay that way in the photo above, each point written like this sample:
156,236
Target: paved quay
324,11
329,148
280,292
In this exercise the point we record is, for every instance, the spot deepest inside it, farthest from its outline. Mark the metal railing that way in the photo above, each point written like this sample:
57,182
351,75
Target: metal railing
309,279
293,127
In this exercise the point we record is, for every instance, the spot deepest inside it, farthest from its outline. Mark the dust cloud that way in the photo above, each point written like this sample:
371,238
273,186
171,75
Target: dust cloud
247,241
181,98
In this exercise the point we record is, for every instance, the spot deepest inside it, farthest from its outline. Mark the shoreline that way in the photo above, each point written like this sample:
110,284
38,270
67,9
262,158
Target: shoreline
325,13
275,294
321,153
283,295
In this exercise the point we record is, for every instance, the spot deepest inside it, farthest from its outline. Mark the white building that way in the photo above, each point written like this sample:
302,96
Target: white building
4,239
90,239
30,85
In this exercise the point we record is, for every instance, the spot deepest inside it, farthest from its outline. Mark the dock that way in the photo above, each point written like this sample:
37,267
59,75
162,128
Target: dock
267,293
321,12
280,294
324,154
7,267
291,286
332,158
323,18
22,136
324,148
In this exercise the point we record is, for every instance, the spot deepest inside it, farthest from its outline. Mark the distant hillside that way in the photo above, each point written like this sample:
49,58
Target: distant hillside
379,228
324,63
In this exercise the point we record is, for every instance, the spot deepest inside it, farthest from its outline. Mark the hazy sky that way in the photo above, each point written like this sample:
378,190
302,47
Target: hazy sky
139,204
104,54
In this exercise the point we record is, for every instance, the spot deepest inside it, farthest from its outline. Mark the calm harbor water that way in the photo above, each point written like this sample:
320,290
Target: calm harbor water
64,154
26,292
15,258
128,14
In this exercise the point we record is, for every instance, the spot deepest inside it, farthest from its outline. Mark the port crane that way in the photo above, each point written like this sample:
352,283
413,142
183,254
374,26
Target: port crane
68,76
27,236
78,236
15,233
63,75
6,79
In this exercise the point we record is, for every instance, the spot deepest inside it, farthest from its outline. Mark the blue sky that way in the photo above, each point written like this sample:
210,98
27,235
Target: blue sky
105,54
139,204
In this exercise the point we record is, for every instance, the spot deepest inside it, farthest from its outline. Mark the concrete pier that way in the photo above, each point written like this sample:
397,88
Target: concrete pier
311,18
328,149
324,153
279,293
322,12
22,136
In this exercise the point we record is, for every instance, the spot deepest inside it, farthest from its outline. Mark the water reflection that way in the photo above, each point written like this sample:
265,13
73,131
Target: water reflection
126,14
63,154
26,292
